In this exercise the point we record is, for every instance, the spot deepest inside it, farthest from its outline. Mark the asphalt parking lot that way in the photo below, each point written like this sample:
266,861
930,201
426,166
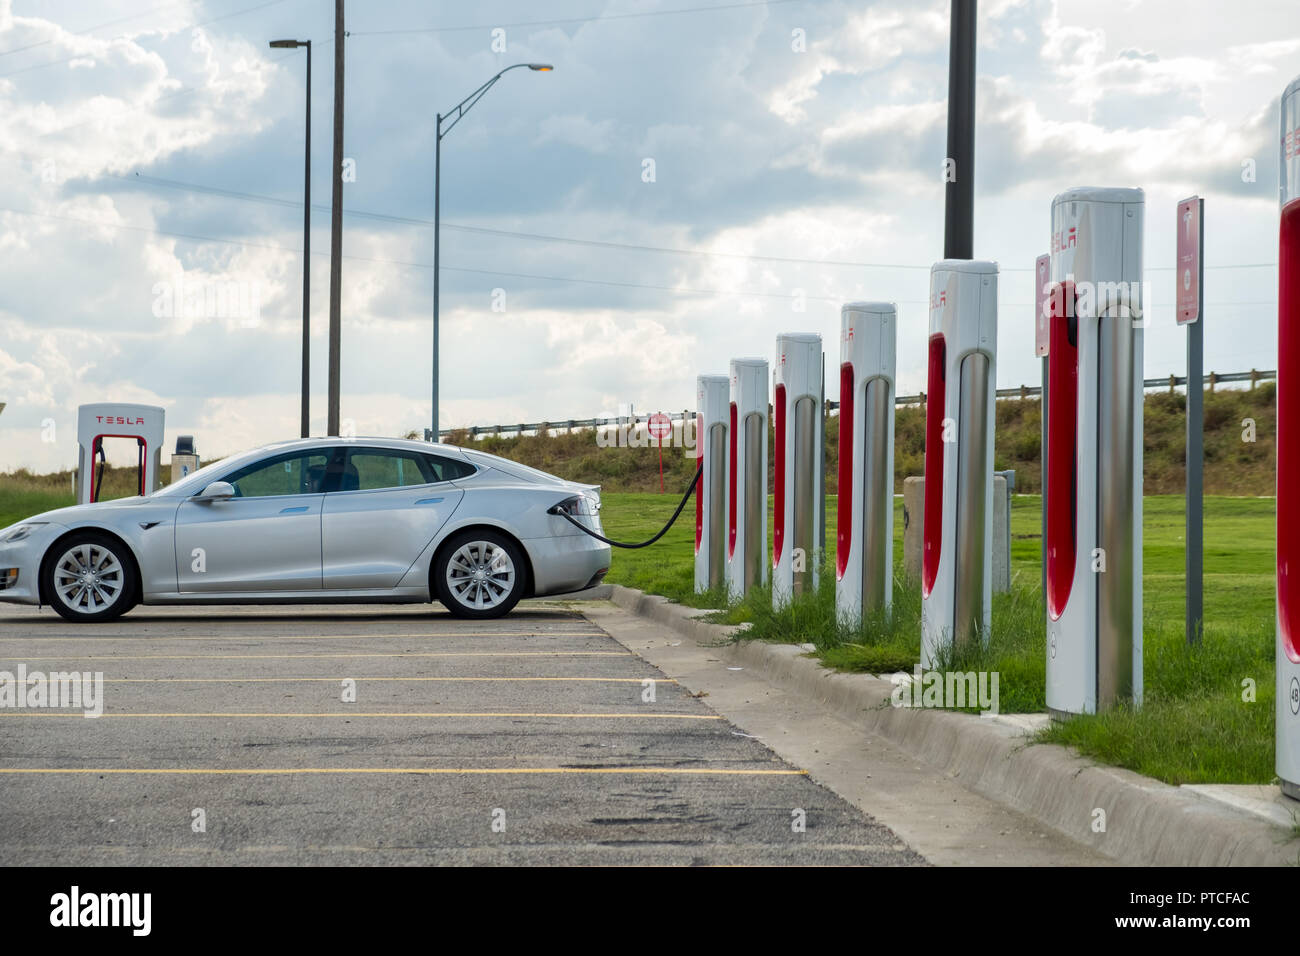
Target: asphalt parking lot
530,740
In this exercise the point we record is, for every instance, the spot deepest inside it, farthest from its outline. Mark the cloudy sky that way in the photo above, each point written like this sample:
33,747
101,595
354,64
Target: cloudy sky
151,150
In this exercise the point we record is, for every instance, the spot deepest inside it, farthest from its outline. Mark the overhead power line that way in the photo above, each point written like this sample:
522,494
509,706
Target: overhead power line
564,21
721,293
571,240
97,26
186,26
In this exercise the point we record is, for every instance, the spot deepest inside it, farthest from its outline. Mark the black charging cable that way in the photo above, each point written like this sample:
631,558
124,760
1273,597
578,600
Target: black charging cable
557,510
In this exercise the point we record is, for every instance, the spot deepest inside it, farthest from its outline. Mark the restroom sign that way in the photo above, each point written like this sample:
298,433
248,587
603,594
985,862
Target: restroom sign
1187,270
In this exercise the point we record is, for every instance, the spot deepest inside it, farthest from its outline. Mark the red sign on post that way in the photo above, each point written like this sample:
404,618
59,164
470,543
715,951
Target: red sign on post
1042,288
1187,268
659,425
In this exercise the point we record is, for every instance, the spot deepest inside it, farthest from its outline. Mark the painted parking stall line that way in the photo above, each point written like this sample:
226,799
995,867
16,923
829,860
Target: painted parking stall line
307,739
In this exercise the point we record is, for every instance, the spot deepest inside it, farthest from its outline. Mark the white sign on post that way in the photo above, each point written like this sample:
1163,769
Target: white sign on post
1187,305
1042,276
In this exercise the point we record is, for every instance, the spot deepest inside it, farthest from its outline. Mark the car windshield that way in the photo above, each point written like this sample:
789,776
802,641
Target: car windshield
195,481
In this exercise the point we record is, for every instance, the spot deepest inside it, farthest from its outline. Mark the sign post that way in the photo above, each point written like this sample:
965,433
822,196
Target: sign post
659,425
1189,302
1042,336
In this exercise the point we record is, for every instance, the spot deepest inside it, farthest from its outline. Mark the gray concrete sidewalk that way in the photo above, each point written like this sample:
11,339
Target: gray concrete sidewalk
1146,822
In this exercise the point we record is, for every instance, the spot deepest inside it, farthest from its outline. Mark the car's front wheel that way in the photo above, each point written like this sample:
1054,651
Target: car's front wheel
89,577
479,573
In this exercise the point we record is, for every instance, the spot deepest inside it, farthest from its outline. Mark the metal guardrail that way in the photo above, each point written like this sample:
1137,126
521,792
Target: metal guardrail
1254,377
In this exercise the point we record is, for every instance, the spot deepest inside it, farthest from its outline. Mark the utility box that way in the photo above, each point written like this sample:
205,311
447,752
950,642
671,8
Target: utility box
914,523
185,458
1288,452
746,562
712,393
956,555
864,540
1093,536
800,458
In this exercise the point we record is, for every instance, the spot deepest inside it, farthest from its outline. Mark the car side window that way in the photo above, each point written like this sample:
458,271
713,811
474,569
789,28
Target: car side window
449,469
293,474
376,468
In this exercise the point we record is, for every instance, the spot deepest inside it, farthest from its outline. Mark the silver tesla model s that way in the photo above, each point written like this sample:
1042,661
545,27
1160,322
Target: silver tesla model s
317,520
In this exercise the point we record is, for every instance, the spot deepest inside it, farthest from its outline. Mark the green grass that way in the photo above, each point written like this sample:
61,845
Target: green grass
1194,726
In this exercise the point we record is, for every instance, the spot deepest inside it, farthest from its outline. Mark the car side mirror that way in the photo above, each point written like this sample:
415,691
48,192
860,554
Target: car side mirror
217,491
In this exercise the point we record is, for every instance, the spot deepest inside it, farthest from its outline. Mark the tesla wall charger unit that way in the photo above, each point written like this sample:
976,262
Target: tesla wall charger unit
142,424
864,540
712,404
957,536
1093,537
800,458
746,563
1288,452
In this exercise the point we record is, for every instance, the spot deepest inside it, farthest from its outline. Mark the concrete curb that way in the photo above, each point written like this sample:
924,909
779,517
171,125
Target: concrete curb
1147,822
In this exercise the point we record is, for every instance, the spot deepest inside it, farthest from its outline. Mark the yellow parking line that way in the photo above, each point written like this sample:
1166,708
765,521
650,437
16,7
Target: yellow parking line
335,680
304,637
271,771
80,715
303,657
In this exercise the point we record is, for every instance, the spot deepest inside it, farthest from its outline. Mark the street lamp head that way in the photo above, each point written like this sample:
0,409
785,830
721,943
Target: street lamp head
286,44
541,67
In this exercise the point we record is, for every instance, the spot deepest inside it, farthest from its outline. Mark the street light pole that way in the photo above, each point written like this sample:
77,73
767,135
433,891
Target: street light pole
306,245
336,229
434,435
959,186
454,114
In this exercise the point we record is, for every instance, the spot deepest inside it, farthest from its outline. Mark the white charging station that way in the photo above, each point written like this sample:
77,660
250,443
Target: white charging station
864,540
800,461
142,424
1288,451
746,564
712,405
1093,537
957,537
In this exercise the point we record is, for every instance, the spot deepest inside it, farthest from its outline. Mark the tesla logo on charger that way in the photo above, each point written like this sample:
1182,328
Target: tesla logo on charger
118,420
1063,240
1291,144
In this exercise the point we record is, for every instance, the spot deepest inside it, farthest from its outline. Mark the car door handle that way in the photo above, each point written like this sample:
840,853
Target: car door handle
294,511
428,501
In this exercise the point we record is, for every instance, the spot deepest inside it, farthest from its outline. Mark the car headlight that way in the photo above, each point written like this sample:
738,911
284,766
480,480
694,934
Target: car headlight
18,532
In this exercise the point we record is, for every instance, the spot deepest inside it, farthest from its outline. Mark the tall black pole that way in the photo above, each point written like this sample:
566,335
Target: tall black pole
437,235
959,186
336,226
306,266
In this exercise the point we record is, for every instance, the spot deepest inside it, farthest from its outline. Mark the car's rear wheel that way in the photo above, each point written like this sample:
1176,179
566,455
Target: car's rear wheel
480,573
90,577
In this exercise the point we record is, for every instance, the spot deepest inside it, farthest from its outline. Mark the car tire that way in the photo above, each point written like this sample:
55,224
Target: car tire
89,577
479,574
